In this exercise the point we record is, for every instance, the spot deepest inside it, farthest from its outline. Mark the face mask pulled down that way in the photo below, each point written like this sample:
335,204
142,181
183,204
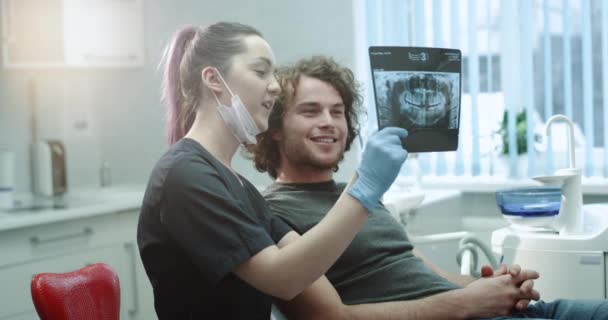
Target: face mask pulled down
237,118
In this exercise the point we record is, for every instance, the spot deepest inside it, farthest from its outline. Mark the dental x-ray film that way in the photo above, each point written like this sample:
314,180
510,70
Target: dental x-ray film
418,89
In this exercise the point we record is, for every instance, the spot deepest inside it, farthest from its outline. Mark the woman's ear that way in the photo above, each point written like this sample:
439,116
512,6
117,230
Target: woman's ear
211,80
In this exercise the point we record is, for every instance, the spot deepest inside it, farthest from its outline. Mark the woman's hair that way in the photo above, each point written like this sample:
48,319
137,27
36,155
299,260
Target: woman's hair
191,49
266,152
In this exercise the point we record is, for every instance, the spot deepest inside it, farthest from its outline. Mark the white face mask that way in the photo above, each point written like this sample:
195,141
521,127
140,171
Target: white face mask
237,118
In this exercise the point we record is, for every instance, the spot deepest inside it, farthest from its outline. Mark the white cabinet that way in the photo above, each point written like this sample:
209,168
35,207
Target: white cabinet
67,246
142,303
72,33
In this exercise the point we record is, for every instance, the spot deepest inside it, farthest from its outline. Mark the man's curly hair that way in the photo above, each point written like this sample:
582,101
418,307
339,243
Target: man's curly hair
266,153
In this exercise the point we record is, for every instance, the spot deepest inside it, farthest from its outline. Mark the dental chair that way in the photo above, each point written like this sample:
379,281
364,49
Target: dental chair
91,293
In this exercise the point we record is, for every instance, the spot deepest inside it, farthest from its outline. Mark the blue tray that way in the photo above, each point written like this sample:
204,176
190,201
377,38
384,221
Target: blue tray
530,202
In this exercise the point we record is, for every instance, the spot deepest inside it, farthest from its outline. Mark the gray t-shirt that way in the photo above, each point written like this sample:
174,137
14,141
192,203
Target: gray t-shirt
379,264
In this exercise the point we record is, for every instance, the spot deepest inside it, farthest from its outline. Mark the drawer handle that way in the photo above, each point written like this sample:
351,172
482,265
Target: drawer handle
36,240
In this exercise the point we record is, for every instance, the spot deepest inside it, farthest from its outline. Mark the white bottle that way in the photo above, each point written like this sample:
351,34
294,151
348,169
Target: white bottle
7,179
105,175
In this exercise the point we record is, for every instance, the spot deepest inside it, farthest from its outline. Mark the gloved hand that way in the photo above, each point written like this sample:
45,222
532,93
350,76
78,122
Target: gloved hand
380,164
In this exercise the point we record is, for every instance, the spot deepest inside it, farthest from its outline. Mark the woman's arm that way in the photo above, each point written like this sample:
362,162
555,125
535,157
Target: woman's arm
319,301
285,271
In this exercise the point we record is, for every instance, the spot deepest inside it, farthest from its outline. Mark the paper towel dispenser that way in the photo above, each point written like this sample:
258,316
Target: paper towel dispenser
49,168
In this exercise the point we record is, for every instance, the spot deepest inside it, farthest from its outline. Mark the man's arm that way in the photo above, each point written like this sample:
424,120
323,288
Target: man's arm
321,301
489,297
484,298
526,285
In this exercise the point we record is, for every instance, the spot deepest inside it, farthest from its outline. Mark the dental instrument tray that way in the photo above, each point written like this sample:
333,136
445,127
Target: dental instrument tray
418,89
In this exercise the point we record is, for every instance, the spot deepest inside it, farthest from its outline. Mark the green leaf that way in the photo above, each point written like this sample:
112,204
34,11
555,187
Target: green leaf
520,132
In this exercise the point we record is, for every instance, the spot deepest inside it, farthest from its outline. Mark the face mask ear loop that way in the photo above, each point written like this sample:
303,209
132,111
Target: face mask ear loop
225,84
216,99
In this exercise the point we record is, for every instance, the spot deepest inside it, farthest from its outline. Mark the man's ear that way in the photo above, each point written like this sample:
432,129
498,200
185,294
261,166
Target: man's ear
211,80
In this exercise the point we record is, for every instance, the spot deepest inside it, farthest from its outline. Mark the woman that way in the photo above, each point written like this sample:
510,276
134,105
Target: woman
208,242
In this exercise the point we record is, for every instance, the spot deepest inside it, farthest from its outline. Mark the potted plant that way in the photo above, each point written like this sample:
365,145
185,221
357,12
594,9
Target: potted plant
520,132
521,129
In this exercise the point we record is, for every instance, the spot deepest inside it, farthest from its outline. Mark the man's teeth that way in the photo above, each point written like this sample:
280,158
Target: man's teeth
326,140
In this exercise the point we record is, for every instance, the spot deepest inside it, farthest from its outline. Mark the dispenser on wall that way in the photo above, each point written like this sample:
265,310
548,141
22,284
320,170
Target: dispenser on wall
49,168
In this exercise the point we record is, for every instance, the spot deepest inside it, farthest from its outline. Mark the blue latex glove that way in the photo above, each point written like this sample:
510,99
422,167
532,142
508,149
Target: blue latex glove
380,164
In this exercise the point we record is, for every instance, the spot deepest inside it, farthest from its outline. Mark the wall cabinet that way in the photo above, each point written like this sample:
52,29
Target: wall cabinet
66,246
72,33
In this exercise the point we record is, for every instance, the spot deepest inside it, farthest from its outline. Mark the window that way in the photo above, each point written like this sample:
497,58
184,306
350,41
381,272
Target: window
541,57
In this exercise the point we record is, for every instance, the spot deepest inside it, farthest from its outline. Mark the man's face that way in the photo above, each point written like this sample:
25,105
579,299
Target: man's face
314,126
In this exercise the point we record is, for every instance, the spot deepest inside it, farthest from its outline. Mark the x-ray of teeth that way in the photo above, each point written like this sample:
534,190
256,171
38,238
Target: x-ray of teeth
418,99
418,89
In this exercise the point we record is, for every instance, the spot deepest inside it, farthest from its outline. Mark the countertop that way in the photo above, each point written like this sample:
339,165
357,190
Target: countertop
93,202
74,205
491,184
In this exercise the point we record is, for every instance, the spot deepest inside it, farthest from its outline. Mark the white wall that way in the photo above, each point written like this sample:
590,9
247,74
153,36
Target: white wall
122,105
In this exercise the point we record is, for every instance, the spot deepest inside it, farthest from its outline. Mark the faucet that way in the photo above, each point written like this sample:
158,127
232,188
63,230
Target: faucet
570,218
561,117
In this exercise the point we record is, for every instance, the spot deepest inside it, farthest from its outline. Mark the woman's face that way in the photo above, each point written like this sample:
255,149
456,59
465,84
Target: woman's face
252,78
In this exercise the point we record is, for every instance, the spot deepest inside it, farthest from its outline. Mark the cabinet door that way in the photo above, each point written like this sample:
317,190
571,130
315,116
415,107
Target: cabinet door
15,297
32,33
58,239
103,32
72,33
142,294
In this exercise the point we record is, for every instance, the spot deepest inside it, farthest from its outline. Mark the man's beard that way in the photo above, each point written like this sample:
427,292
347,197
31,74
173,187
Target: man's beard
302,157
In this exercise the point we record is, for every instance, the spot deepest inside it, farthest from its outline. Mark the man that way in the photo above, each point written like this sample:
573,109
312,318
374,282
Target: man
380,275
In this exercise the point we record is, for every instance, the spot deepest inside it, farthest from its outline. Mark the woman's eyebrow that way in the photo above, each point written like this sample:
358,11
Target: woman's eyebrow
263,60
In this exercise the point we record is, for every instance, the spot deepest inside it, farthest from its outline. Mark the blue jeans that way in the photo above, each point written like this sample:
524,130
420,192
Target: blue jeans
564,310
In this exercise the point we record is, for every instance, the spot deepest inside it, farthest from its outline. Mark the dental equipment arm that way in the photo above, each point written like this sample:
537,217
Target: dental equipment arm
467,256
